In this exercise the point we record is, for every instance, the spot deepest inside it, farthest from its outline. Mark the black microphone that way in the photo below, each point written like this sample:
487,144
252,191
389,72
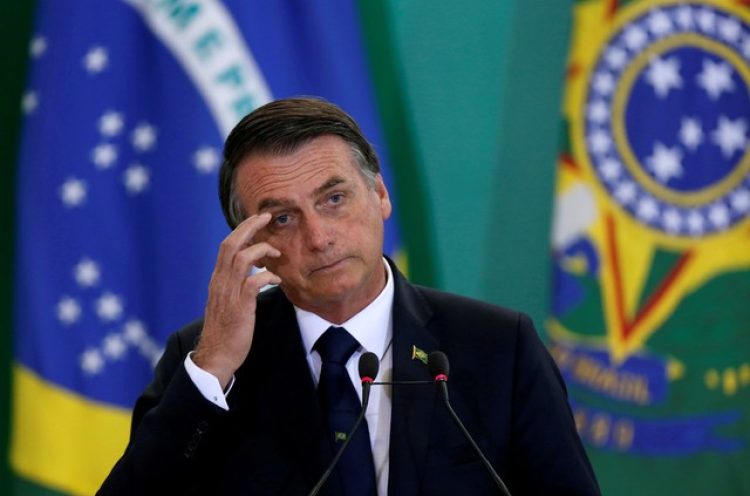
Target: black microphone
368,370
439,368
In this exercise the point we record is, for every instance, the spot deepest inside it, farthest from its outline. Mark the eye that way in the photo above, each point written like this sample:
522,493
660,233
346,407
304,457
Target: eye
336,198
281,220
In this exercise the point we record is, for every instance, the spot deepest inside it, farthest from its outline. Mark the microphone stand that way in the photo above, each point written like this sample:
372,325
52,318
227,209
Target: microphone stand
442,385
365,400
402,383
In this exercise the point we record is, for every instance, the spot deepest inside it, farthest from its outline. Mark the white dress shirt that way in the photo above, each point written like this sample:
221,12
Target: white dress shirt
373,328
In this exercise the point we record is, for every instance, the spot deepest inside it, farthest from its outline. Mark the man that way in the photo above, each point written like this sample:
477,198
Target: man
233,407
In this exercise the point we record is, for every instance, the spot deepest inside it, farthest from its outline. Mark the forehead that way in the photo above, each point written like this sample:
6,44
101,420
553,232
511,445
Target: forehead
260,177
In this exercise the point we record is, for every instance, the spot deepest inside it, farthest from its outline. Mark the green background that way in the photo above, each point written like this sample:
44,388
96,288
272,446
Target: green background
475,90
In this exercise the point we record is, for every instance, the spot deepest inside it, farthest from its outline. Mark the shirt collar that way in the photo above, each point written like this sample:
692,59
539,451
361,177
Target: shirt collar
372,326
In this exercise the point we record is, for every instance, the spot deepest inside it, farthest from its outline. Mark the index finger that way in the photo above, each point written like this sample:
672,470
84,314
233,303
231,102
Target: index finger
243,234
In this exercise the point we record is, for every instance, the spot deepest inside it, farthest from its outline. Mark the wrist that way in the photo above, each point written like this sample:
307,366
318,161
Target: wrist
214,366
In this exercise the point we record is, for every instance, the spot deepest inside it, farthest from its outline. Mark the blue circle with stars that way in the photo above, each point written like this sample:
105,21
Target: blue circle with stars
667,119
687,124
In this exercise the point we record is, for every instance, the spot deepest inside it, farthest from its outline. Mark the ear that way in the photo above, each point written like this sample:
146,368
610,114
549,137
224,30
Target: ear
383,198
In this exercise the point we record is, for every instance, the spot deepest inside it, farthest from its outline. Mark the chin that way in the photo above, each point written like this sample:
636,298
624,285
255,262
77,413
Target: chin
335,292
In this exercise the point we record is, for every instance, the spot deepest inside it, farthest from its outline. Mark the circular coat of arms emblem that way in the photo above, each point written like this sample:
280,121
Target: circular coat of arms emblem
666,119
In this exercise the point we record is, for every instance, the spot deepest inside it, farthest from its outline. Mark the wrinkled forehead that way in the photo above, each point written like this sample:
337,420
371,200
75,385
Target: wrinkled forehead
263,176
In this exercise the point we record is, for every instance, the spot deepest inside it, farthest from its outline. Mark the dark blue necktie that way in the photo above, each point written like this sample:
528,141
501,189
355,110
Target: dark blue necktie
341,406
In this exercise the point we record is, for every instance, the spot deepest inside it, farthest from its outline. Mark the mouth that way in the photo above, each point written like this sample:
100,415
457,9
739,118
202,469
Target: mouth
328,267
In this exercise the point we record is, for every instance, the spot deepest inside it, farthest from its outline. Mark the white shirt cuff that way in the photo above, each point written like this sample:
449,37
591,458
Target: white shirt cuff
207,383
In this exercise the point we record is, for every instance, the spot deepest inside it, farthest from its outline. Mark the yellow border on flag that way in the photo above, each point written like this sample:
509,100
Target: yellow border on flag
61,439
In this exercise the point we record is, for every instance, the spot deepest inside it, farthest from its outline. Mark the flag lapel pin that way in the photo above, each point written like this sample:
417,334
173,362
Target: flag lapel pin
418,354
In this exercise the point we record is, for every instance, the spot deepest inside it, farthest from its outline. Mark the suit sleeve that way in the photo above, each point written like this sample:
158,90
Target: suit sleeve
549,457
170,433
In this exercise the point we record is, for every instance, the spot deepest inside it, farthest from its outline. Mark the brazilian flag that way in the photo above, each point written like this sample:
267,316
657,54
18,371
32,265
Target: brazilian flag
125,110
650,323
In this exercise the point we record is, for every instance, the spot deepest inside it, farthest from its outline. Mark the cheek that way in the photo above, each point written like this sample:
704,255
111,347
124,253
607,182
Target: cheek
277,265
288,265
281,242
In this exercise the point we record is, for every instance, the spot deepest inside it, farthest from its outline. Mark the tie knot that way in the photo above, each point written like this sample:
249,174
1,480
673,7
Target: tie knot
336,345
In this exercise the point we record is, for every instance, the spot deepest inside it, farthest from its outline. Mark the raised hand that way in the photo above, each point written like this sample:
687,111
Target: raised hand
229,320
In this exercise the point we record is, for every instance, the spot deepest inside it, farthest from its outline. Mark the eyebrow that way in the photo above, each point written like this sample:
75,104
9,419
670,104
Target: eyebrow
331,183
267,203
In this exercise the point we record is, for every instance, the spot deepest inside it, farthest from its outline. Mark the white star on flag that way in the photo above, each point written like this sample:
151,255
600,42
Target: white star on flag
143,137
719,215
730,135
715,78
206,159
148,348
611,169
647,209
635,38
134,332
109,307
672,220
665,162
38,46
696,223
691,133
86,273
111,123
29,102
625,192
92,361
616,58
707,20
684,18
730,29
746,47
599,142
104,155
659,23
664,75
68,310
740,200
96,60
73,192
598,112
154,359
114,346
604,83
136,178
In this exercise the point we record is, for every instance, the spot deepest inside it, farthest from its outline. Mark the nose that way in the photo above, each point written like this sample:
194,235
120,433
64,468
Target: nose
318,235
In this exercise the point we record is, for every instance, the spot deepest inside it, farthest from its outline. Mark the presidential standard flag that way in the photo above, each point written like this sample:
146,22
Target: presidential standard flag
126,109
650,322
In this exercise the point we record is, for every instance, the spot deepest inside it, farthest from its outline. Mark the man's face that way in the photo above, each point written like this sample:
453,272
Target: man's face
327,221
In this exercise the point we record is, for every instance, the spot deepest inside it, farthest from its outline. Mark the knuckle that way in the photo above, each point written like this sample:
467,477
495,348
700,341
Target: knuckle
255,282
228,244
243,259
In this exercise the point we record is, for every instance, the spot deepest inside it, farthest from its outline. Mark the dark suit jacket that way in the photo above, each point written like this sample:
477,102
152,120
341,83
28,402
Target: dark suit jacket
503,384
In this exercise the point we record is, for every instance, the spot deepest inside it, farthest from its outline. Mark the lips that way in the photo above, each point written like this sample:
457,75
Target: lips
329,266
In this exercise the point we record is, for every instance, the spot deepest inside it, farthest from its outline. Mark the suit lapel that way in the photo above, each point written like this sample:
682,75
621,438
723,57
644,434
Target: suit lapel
412,405
290,392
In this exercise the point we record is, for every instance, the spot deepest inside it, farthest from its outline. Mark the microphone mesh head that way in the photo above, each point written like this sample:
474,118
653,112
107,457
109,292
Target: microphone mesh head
368,365
437,362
